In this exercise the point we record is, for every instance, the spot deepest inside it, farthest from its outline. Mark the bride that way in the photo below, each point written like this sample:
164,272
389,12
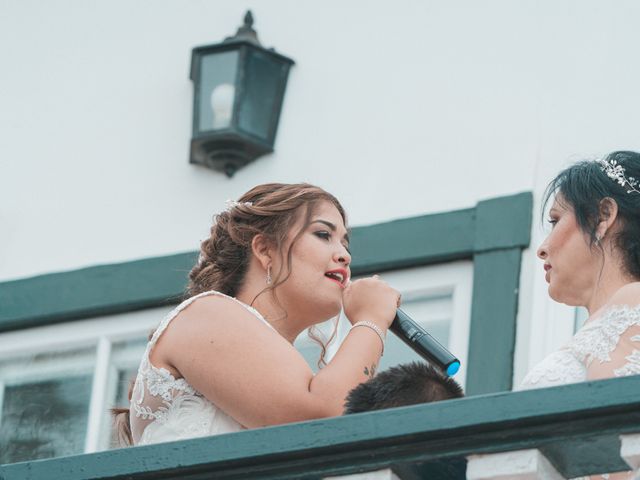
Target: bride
592,259
276,263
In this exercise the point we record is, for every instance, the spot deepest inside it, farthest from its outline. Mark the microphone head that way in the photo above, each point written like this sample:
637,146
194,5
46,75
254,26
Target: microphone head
453,368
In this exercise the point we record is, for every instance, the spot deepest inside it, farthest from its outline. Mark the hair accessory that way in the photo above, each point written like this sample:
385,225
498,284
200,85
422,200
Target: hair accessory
269,279
616,172
231,204
373,327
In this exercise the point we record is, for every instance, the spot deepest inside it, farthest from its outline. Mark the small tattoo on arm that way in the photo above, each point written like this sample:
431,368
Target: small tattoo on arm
371,371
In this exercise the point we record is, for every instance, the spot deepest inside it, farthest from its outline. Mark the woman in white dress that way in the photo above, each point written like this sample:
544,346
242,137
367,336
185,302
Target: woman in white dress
276,263
592,259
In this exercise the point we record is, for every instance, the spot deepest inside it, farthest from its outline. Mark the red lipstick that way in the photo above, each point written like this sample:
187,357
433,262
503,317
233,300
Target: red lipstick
339,275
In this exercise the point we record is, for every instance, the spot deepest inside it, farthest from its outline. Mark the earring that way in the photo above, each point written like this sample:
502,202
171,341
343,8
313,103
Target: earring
598,240
269,280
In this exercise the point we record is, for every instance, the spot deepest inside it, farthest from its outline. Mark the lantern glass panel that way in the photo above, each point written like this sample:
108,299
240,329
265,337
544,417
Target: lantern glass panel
261,95
217,91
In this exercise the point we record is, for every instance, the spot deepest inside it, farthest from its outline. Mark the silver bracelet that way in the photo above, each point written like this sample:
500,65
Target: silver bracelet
373,327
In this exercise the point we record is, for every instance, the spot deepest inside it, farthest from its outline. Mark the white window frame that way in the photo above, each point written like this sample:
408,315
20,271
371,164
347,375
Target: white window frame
99,333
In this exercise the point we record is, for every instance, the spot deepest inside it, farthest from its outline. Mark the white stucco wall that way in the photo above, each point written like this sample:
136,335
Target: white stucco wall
399,108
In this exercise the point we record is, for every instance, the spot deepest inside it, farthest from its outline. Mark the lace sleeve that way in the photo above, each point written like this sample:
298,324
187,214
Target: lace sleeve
616,353
619,354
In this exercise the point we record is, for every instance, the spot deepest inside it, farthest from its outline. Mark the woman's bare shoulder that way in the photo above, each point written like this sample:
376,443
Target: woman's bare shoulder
628,296
207,319
215,312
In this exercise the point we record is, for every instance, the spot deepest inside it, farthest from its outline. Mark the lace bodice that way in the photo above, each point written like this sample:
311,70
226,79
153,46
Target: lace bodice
164,408
596,341
606,342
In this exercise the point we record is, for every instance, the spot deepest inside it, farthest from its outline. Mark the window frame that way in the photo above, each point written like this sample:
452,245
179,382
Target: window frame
100,335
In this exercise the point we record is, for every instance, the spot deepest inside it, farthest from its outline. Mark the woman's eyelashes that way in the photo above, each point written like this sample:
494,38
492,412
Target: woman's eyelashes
553,222
323,234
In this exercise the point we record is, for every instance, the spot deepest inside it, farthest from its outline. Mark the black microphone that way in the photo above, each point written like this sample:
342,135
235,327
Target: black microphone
424,344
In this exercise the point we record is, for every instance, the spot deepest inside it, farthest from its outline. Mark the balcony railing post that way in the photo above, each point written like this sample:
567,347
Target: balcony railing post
517,465
385,474
630,451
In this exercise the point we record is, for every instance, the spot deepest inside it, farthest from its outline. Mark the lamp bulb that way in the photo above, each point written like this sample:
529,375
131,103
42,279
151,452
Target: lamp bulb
222,105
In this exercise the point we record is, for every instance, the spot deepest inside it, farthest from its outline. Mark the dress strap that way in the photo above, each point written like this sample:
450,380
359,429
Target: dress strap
165,323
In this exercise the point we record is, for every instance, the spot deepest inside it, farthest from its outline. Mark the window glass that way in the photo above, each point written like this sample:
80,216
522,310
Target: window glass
45,404
581,316
433,313
125,358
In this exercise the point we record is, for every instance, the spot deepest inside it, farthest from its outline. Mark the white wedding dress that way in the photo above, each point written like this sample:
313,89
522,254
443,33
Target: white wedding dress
608,339
164,408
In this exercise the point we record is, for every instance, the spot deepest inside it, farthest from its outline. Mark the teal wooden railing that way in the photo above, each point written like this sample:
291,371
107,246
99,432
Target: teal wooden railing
576,427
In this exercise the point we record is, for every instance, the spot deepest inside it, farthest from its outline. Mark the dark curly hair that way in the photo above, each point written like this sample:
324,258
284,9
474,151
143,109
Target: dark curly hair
407,384
585,184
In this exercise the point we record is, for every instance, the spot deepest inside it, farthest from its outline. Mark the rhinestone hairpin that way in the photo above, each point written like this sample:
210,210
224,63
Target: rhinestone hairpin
616,172
231,204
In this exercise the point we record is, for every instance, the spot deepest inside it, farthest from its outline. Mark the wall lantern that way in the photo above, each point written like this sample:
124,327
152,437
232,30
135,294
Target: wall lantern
238,92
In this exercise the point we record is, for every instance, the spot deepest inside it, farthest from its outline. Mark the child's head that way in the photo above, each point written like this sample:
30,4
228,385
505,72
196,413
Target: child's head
407,384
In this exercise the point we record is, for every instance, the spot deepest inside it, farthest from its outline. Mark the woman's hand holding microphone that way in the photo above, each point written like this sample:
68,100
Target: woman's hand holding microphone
371,302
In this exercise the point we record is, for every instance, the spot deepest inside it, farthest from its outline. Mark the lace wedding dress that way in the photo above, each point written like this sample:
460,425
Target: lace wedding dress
608,339
164,408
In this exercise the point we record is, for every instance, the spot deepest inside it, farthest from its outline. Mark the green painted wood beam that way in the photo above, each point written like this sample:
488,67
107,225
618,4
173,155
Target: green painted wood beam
494,306
560,420
413,241
110,289
503,223
94,291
